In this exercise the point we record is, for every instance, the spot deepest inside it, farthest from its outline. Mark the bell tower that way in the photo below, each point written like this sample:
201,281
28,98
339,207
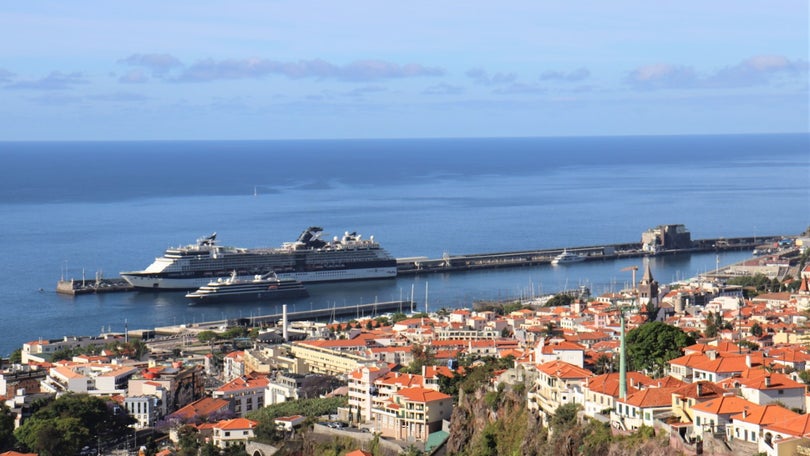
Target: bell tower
647,288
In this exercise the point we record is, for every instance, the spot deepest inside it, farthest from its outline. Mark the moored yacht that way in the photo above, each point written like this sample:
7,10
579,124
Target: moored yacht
261,287
567,257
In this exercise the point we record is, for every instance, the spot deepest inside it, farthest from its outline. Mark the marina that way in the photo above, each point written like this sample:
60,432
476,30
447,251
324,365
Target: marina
331,314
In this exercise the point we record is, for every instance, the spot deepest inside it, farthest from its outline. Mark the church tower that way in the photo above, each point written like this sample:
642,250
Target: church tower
647,288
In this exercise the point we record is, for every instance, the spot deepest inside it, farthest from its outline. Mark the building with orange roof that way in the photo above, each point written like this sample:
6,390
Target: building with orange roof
792,357
412,414
569,352
784,437
391,354
640,408
747,425
288,423
245,393
714,415
773,387
91,378
716,368
233,365
686,396
432,375
362,388
233,432
15,453
601,391
201,410
682,367
557,383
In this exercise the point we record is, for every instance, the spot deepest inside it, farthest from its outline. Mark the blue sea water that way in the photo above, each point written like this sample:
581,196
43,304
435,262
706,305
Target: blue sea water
69,207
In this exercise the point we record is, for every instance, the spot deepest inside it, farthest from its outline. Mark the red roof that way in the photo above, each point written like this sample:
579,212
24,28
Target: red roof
359,453
418,394
561,369
797,426
726,405
650,398
236,423
203,407
764,415
245,382
609,383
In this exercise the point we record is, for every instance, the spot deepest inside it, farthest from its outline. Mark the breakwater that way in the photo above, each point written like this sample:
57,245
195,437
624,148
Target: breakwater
468,262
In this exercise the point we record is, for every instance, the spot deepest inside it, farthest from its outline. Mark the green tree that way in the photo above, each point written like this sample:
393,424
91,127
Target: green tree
711,325
652,345
756,330
187,436
411,450
422,356
71,422
209,449
560,299
603,364
564,418
16,356
651,311
6,427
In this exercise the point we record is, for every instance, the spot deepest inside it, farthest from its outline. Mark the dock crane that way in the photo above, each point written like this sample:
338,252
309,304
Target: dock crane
634,269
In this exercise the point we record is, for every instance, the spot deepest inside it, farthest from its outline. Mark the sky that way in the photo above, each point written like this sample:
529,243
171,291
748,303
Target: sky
205,70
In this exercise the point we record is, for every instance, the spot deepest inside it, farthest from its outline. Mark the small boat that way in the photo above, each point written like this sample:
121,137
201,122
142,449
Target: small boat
261,287
567,257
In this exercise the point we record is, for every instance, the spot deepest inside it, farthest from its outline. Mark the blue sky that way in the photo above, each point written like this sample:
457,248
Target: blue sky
93,70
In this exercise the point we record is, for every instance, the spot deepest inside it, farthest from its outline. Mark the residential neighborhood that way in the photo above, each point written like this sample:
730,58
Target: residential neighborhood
739,386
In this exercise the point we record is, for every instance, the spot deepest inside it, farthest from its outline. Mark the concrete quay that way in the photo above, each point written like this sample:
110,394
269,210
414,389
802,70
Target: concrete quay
329,314
470,262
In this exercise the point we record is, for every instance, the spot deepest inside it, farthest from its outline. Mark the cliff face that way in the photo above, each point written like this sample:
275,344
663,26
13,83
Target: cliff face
498,423
495,423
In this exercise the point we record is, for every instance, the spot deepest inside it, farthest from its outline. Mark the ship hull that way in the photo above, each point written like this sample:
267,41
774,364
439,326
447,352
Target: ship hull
165,282
224,297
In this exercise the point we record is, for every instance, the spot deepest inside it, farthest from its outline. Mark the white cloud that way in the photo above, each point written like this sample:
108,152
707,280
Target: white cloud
362,70
160,64
134,77
480,76
56,80
443,89
572,76
757,70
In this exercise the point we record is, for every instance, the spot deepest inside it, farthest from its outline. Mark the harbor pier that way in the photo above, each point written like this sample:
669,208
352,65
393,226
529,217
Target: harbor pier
470,262
330,314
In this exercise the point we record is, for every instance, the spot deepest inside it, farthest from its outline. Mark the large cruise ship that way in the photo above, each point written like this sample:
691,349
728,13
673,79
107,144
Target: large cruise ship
308,259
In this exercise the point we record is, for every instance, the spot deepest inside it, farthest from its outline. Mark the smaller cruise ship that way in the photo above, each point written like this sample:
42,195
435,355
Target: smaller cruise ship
567,257
261,287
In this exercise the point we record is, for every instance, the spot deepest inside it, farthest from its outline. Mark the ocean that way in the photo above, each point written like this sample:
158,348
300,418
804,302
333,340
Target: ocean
69,209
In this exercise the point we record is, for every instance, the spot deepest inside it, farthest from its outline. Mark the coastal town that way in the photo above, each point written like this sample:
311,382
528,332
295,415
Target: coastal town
715,364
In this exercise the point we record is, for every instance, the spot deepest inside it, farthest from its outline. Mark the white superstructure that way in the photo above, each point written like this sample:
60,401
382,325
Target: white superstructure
308,259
